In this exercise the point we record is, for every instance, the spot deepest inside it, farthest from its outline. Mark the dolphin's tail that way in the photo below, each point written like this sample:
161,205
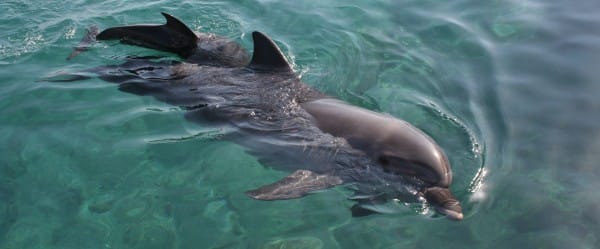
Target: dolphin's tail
67,77
138,75
174,36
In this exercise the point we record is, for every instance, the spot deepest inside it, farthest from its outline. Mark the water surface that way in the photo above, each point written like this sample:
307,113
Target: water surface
508,88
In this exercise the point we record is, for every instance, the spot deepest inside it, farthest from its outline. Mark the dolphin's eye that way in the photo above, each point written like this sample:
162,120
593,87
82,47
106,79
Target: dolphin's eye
384,161
389,165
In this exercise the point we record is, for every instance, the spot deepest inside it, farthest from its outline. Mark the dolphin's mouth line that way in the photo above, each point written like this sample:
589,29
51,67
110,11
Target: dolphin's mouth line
450,214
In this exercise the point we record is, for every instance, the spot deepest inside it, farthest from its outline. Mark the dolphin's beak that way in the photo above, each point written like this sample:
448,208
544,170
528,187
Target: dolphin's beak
454,216
444,202
452,210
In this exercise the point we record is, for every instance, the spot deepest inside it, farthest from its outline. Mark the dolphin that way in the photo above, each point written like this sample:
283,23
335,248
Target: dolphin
323,141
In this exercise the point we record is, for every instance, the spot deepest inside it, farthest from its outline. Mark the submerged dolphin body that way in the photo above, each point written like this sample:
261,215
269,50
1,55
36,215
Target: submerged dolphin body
284,122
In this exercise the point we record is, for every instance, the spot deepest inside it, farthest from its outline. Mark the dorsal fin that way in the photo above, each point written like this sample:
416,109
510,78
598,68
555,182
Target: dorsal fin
267,56
172,36
177,25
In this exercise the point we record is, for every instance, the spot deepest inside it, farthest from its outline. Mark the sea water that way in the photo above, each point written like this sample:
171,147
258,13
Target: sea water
509,89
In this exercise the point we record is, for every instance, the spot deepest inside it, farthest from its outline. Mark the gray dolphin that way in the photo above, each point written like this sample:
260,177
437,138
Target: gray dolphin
284,122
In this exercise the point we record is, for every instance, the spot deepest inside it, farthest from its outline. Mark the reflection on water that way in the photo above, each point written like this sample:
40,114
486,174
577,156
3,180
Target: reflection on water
507,88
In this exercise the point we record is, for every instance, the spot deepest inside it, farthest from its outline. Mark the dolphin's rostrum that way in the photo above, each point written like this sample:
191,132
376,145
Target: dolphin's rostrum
285,123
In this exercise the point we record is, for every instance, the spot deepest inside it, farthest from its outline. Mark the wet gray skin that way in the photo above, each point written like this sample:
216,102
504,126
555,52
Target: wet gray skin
282,121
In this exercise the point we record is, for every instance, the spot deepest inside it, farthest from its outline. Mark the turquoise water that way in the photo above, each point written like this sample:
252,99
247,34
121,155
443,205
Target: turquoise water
508,88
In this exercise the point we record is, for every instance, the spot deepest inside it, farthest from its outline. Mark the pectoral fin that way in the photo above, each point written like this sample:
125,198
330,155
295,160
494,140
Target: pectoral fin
296,185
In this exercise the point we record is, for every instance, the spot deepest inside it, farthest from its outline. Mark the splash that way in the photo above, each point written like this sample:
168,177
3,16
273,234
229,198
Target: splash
477,185
476,147
29,43
70,33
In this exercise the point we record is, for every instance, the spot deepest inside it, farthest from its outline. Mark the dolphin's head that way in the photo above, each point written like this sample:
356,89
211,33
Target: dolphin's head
405,150
444,202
